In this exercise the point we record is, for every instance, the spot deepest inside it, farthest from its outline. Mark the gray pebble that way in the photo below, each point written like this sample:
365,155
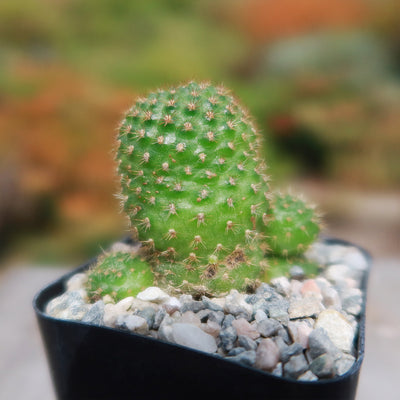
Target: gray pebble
268,327
278,370
289,351
158,318
193,305
246,342
323,366
246,357
295,367
148,313
235,351
278,309
228,321
204,314
95,315
228,337
217,316
319,343
296,272
210,304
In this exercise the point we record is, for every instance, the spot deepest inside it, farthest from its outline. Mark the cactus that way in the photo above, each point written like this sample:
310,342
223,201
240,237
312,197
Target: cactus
194,189
292,225
119,275
193,184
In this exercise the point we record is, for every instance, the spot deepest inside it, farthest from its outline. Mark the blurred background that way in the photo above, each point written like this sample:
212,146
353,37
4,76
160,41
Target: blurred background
321,78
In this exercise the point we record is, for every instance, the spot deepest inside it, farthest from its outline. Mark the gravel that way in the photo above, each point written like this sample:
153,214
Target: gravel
295,327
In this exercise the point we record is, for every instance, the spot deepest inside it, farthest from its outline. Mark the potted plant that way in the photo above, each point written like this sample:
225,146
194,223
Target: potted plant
223,288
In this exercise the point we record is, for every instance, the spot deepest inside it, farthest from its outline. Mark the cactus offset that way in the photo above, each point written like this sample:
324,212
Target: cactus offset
292,225
119,275
193,183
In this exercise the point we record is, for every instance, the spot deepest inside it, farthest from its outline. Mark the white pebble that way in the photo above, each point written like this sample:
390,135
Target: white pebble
153,294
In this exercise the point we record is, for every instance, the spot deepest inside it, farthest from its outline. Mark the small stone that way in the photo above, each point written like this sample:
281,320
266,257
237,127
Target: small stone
266,291
246,357
281,344
344,363
308,376
283,333
95,315
165,329
158,318
295,288
193,306
153,294
228,338
291,350
337,273
211,305
246,342
320,343
133,323
260,315
185,297
148,314
212,328
339,330
235,304
323,366
278,370
309,306
352,301
310,288
124,305
299,331
171,305
203,315
267,355
138,304
318,252
61,303
296,272
295,367
76,282
282,285
278,309
235,351
268,327
245,328
110,315
191,336
189,317
228,319
216,316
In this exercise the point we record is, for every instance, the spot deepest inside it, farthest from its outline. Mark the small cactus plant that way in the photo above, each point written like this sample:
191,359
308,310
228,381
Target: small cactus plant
195,191
119,275
292,225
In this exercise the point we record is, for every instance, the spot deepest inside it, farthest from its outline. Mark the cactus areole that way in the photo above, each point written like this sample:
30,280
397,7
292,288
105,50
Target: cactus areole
194,186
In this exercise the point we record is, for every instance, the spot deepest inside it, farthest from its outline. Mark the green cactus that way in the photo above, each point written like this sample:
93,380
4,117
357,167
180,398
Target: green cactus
292,225
119,275
193,183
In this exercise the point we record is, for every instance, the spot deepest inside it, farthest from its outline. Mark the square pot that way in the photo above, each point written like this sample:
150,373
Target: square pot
97,362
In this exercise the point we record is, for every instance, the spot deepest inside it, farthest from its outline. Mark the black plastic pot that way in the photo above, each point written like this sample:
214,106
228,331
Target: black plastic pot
91,362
